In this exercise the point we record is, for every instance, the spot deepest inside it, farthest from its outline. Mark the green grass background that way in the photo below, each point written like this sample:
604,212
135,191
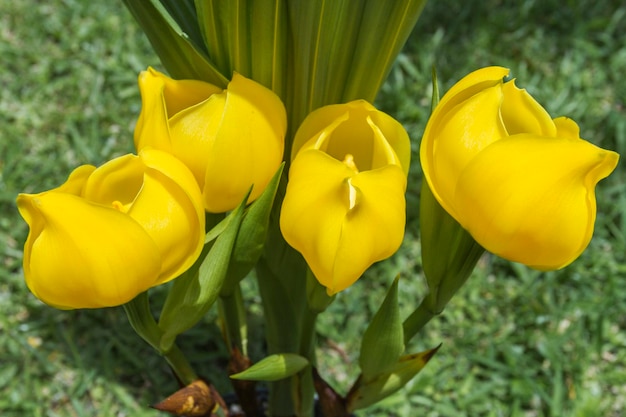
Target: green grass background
516,342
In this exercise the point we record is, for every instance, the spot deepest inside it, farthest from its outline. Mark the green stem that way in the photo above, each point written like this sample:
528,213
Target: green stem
417,320
233,321
142,321
180,365
290,328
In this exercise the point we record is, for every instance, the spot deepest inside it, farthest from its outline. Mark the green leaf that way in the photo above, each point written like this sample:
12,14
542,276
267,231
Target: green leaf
249,37
386,24
252,234
383,341
181,57
322,52
368,391
192,294
273,368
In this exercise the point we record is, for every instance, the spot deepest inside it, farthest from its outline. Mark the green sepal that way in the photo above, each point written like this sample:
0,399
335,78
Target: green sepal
251,237
449,253
383,341
193,293
273,368
367,391
181,56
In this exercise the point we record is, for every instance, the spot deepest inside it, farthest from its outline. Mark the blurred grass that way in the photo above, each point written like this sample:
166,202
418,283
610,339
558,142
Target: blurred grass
515,342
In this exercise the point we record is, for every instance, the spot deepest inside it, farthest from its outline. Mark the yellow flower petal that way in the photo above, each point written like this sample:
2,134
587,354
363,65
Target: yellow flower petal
341,234
194,131
177,227
161,194
352,132
248,146
531,199
152,128
76,181
522,114
181,94
462,133
162,98
100,258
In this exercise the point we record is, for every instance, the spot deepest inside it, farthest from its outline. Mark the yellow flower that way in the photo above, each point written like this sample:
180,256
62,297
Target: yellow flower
230,139
344,207
520,182
110,233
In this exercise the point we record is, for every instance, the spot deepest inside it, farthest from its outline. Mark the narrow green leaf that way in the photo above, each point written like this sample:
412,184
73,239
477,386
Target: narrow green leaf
368,391
273,368
217,230
269,37
383,341
387,25
210,22
181,58
251,237
184,14
322,52
192,294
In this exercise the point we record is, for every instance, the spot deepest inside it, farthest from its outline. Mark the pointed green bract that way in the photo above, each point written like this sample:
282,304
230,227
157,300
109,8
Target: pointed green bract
383,341
273,368
251,237
369,391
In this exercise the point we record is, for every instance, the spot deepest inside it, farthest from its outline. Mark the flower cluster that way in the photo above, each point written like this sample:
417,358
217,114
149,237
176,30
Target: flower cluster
519,181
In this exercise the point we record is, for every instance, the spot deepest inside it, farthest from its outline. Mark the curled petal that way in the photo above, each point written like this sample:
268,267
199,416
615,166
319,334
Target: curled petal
537,208
435,163
162,98
100,258
463,133
76,181
522,114
161,194
352,124
177,227
194,131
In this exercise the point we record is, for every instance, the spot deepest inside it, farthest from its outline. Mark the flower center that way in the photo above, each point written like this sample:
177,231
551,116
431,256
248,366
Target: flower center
348,160
117,205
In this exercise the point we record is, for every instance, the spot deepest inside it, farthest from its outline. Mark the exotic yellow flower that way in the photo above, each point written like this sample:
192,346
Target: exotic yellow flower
521,183
110,233
230,139
344,208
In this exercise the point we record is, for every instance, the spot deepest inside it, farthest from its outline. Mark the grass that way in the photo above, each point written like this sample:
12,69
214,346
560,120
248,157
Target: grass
516,342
